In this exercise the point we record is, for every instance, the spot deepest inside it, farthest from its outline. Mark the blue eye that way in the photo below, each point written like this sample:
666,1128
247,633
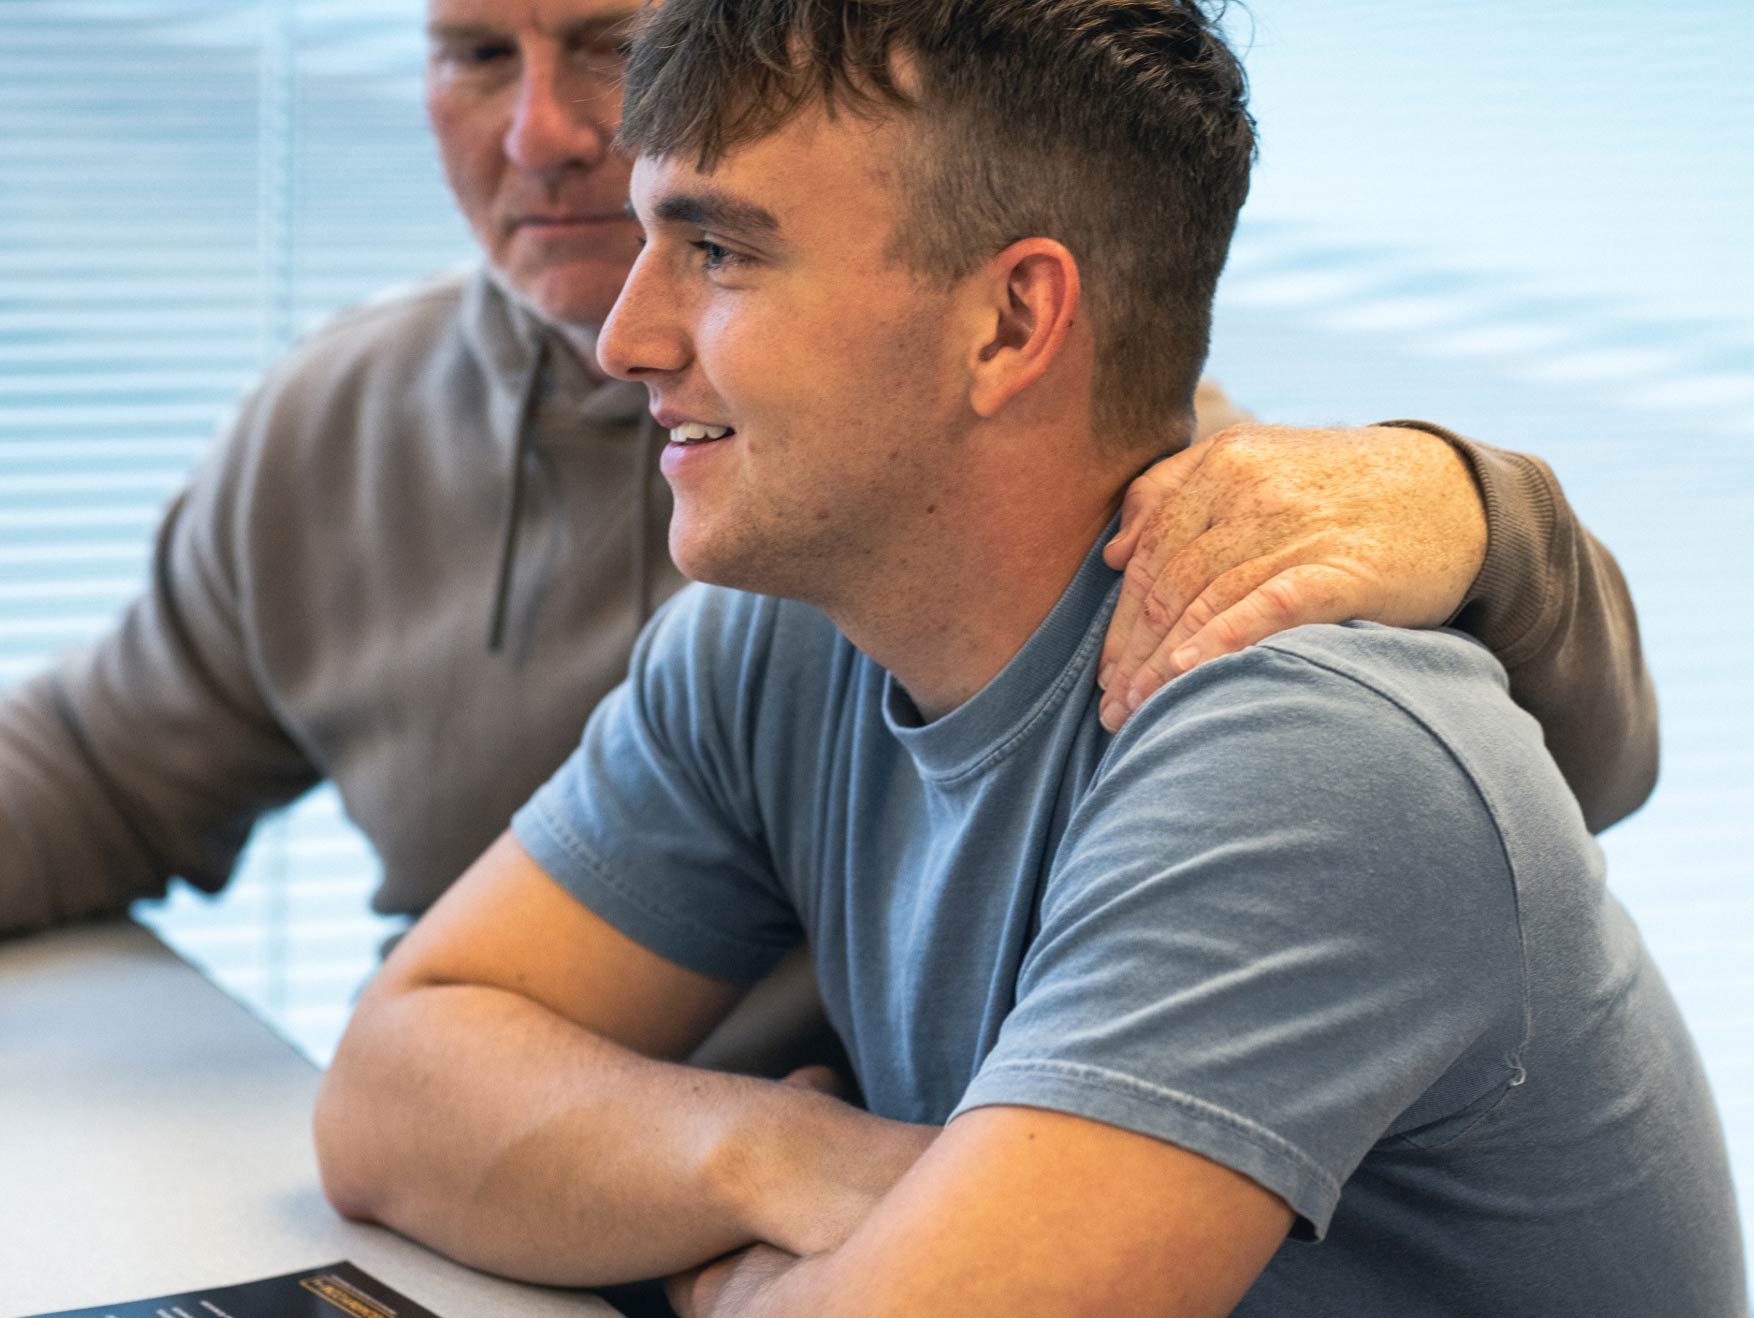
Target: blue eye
715,256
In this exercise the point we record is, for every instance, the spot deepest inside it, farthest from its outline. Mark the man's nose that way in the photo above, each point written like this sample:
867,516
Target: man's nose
554,125
644,338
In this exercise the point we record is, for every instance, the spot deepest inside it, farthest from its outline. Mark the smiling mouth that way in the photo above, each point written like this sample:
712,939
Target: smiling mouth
696,433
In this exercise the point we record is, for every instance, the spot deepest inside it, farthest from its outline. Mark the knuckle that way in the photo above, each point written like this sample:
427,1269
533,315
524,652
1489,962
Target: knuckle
1335,589
1225,451
1281,600
1228,631
1162,594
1152,673
1202,611
1140,575
1156,613
1242,444
1147,549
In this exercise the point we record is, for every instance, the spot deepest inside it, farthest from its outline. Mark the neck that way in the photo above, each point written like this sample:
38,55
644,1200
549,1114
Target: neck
580,339
945,607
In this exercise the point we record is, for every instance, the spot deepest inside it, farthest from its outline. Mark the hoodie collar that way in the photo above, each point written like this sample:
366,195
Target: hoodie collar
509,338
529,365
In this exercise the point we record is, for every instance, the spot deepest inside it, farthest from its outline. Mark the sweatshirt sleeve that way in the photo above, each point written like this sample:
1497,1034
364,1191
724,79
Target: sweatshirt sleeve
152,754
1551,604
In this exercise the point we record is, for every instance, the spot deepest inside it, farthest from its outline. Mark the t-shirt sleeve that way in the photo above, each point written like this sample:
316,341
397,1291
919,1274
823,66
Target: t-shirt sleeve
1280,930
653,821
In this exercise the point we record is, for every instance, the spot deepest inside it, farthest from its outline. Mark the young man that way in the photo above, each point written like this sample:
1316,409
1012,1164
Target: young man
1315,950
421,554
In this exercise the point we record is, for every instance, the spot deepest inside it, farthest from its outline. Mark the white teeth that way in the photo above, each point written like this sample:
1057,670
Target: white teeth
693,432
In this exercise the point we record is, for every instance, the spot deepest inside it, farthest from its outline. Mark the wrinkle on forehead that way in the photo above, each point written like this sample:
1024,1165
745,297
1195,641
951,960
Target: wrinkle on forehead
549,17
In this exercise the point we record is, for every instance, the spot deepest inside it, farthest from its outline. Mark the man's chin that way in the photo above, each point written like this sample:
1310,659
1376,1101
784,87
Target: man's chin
717,560
699,563
579,293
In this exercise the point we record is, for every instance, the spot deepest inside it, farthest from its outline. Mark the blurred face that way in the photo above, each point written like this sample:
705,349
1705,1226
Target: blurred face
814,392
524,97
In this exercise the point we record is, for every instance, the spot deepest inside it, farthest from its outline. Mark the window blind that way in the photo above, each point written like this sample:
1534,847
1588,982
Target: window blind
185,187
1526,222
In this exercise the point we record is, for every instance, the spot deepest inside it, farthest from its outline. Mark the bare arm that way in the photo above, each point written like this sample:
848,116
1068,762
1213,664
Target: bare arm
1016,1210
508,1093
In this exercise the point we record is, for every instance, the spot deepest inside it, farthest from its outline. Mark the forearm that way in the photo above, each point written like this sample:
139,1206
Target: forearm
67,849
494,1130
1551,603
147,756
1589,688
1021,1210
501,1134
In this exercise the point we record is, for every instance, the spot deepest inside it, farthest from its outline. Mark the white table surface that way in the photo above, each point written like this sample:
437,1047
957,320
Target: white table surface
155,1138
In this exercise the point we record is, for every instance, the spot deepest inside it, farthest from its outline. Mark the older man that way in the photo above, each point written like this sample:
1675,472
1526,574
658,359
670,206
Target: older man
422,553
1301,994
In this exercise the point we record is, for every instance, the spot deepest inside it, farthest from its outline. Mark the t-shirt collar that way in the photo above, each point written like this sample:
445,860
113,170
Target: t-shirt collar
1060,654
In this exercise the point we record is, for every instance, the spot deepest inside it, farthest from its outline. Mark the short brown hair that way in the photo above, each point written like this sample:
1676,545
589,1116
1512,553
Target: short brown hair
1117,127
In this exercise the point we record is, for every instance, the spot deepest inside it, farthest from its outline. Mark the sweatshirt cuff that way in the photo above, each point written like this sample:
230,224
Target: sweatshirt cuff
1509,606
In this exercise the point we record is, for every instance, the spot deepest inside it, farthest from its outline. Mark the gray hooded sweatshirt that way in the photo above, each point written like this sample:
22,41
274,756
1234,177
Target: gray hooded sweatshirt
419,559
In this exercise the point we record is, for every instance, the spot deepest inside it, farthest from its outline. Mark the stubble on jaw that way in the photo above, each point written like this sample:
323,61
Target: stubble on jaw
880,499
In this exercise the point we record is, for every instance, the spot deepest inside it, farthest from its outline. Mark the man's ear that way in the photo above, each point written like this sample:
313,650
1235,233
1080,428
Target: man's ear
1030,299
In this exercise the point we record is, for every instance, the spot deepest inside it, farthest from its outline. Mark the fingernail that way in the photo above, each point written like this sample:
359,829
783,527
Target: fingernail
1135,697
1111,716
1186,657
1102,678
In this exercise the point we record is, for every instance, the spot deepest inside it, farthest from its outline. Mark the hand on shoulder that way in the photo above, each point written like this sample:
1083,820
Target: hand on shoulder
1261,528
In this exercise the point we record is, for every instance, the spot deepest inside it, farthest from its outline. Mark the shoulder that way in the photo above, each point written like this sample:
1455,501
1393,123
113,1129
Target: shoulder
397,337
1353,753
1290,905
1368,703
1418,672
393,374
1368,791
397,322
391,344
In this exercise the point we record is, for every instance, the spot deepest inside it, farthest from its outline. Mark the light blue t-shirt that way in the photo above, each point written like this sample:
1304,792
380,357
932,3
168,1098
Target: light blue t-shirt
1323,912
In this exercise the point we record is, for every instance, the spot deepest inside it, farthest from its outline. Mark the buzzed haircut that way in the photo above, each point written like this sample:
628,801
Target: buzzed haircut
1117,127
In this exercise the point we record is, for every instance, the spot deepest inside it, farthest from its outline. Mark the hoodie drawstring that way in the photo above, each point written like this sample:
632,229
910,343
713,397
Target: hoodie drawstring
508,553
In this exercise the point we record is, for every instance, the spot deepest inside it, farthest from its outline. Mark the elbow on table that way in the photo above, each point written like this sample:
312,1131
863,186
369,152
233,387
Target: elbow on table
346,1165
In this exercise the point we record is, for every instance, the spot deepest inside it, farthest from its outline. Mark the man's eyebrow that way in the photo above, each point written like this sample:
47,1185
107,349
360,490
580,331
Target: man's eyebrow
718,211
